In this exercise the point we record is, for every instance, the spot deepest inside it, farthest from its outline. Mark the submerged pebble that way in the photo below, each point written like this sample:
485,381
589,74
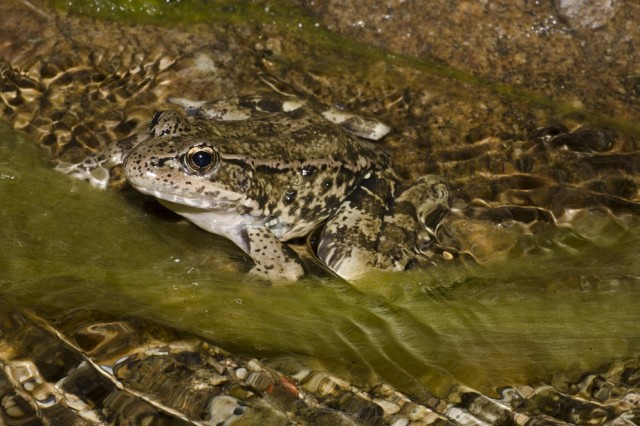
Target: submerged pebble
591,14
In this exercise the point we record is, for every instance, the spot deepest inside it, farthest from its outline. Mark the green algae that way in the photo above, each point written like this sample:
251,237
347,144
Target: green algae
158,11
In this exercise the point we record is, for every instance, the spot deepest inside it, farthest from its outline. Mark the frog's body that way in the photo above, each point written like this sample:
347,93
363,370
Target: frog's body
264,170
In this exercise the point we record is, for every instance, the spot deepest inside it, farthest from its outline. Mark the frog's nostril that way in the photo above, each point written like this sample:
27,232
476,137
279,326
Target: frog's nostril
154,161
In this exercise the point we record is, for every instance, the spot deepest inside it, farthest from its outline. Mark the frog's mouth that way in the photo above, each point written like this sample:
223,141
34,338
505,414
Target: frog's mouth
178,201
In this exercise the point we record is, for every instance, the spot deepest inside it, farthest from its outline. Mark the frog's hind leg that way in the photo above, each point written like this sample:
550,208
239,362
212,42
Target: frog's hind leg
247,107
349,241
240,108
375,229
357,125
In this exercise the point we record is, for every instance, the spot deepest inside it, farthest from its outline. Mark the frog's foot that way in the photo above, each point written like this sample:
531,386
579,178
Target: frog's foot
427,200
349,241
408,233
273,259
88,170
95,168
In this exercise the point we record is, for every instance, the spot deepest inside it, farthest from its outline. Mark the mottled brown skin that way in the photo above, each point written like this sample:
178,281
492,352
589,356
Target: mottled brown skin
271,170
262,170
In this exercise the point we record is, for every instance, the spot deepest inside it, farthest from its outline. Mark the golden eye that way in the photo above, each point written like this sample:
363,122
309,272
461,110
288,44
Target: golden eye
201,159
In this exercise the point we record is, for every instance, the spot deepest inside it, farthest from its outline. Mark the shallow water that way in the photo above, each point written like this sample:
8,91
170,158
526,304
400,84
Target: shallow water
66,246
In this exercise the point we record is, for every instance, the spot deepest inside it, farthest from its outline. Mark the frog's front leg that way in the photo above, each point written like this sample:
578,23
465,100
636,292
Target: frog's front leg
349,241
95,168
273,259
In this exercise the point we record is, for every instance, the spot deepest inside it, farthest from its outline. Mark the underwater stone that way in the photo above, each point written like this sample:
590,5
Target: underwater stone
589,14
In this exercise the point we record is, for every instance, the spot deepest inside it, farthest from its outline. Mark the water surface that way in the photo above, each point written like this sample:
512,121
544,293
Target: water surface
66,246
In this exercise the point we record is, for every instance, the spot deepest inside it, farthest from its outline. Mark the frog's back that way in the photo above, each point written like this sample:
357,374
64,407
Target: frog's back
302,165
289,136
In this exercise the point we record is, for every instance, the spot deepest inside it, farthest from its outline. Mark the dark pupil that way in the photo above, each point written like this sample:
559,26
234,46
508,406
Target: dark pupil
201,159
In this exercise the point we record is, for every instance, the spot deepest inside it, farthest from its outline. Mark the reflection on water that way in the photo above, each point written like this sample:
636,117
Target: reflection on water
65,246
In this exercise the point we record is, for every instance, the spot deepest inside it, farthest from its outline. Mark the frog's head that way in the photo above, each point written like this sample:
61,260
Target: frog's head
176,165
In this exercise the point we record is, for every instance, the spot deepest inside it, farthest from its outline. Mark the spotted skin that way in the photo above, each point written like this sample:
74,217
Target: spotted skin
263,170
380,226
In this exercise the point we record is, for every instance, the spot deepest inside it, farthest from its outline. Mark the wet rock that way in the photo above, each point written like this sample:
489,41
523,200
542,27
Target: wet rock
583,140
259,381
322,384
626,419
242,373
365,411
224,409
485,408
591,14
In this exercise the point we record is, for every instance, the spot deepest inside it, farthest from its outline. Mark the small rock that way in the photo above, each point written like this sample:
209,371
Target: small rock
590,14
242,373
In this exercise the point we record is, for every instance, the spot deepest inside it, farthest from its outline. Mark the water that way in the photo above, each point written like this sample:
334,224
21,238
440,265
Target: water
65,246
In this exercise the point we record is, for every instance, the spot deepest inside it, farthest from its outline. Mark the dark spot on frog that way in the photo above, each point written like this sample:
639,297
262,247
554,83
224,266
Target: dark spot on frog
327,183
154,120
268,105
289,196
308,170
271,170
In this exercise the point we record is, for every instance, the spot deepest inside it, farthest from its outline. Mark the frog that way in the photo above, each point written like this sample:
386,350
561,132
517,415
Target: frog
262,170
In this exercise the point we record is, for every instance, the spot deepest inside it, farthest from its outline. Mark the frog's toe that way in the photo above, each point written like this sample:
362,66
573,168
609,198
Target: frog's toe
430,197
97,177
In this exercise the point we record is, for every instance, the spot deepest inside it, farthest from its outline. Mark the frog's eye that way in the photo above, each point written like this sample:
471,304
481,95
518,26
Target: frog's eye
201,160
